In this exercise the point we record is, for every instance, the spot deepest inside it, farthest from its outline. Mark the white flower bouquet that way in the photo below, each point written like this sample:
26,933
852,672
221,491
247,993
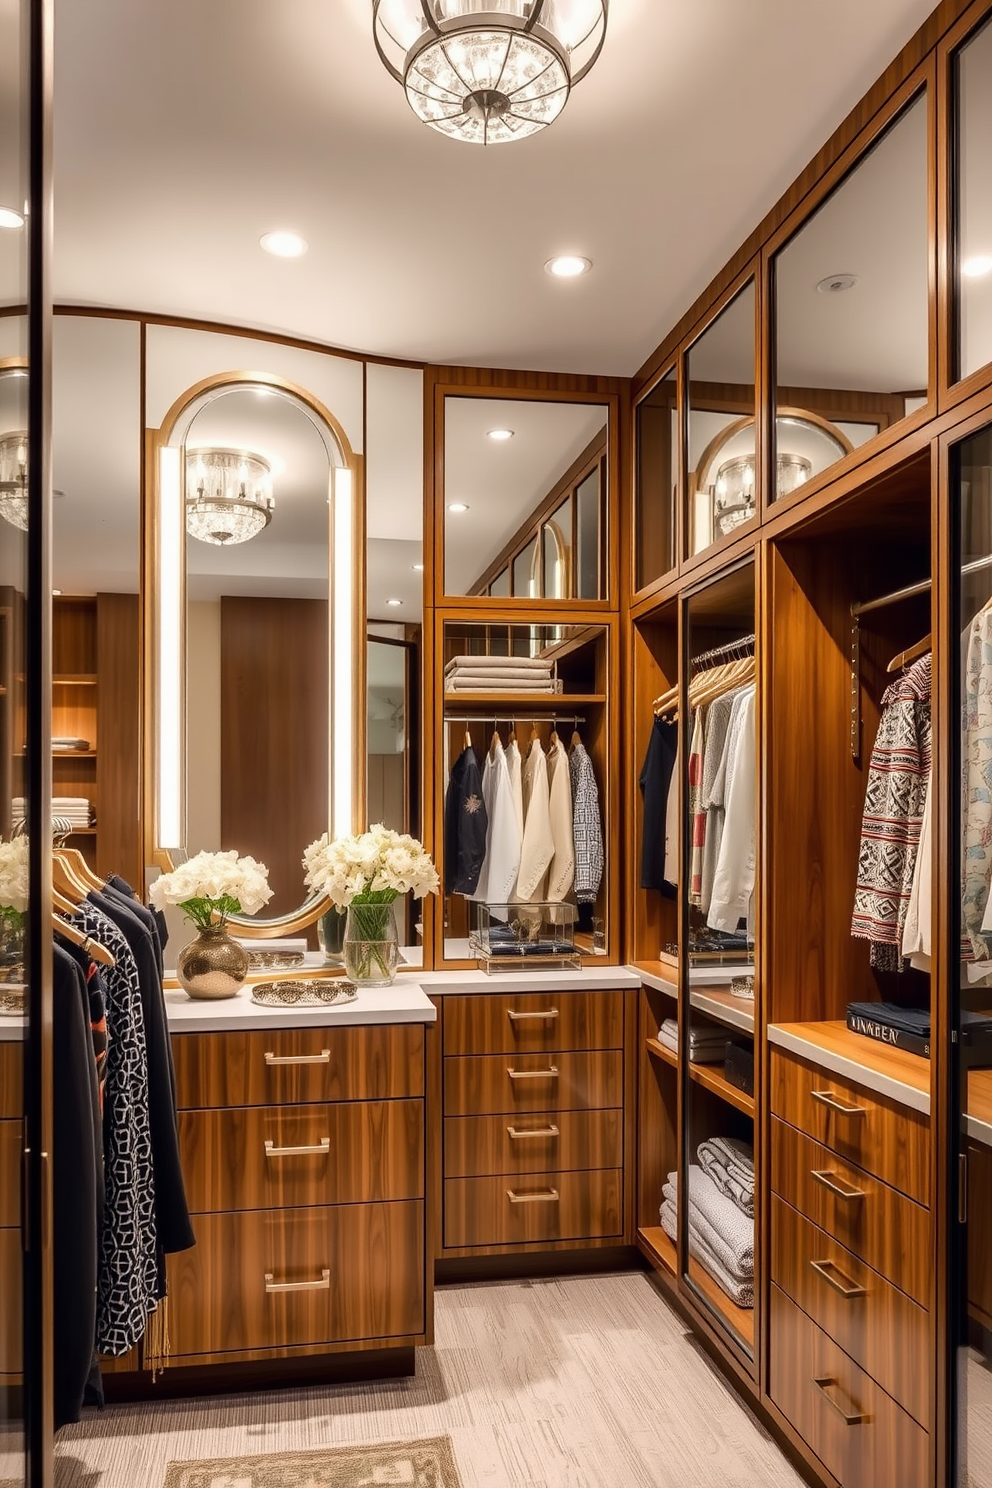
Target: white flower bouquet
373,868
213,885
14,882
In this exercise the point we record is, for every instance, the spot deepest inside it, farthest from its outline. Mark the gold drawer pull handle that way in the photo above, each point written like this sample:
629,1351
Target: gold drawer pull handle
324,1147
826,1268
526,1017
856,1418
538,1131
323,1285
828,1099
551,1196
551,1073
840,1188
324,1057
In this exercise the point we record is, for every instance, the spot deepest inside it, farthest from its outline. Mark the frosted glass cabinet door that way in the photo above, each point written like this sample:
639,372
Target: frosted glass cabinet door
973,249
970,1259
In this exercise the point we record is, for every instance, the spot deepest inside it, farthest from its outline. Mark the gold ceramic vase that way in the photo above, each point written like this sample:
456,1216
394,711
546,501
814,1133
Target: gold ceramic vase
212,966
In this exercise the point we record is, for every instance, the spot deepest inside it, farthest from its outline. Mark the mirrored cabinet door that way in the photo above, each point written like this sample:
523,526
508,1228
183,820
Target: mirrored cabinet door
851,308
719,743
970,1260
973,248
722,490
656,419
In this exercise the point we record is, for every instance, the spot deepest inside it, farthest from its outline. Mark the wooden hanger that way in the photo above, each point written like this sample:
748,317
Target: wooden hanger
495,743
512,738
92,947
911,654
553,738
576,738
468,739
81,869
535,737
65,880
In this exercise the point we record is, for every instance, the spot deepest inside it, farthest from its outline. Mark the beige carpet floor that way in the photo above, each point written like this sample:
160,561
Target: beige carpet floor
589,1382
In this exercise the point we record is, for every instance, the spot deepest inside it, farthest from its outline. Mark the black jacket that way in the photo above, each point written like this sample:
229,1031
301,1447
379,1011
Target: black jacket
466,822
655,780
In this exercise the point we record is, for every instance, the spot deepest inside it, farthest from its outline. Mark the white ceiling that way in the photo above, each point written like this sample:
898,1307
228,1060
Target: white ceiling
185,129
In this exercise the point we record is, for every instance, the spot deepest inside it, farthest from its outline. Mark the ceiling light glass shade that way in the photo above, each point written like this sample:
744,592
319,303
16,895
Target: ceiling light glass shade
228,495
488,71
14,479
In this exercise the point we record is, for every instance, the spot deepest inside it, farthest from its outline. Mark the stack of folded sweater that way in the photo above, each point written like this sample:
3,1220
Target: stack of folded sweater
66,744
500,674
706,1045
76,810
721,1234
730,1164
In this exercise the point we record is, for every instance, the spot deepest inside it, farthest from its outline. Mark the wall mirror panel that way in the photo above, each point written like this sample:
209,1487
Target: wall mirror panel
852,309
657,479
722,485
258,595
973,97
525,498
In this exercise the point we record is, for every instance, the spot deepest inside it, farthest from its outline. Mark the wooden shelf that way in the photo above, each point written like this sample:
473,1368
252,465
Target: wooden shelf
83,832
724,1007
979,1113
73,754
74,679
551,702
740,1319
653,1242
662,975
893,1072
661,1051
712,1078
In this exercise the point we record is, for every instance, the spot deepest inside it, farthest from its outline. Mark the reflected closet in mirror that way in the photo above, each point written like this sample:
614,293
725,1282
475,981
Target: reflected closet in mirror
722,479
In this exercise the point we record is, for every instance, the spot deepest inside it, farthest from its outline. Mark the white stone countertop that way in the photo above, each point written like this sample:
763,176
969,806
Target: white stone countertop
589,979
404,1002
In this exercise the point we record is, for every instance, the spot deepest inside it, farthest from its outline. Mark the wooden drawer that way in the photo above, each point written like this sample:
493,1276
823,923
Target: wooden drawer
519,1211
876,1324
293,1066
859,1434
10,1303
261,1157
979,1233
882,1227
499,1084
877,1134
477,1146
530,1022
359,1267
11,1078
10,1173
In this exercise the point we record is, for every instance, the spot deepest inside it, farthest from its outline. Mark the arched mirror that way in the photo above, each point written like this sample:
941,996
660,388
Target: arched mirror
257,635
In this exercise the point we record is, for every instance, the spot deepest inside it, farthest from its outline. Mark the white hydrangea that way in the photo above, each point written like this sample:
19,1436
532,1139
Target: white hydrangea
379,863
14,888
211,881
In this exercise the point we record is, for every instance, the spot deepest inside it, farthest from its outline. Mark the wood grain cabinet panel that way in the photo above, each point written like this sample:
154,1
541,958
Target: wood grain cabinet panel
859,1433
980,1233
531,1022
355,1272
10,1306
258,1157
884,1228
477,1146
879,1135
532,1209
294,1066
882,1329
11,1100
498,1084
10,1173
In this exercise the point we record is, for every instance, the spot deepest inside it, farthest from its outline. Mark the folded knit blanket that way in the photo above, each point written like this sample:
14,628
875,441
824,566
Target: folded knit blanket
488,682
483,663
706,1051
739,1292
730,1164
727,1230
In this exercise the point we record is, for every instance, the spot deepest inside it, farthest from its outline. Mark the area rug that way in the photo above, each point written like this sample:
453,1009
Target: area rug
427,1462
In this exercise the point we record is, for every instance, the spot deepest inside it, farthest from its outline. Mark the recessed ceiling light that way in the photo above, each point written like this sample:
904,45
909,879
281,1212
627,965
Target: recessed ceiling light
284,244
568,266
417,567
394,602
57,593
457,506
500,434
837,283
10,218
976,268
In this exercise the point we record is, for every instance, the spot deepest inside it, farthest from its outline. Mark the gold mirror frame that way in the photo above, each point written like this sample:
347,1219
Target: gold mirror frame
709,456
172,435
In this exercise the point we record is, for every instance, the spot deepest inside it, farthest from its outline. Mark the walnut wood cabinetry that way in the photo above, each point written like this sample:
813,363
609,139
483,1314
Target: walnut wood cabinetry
11,1143
304,1156
533,1132
851,1273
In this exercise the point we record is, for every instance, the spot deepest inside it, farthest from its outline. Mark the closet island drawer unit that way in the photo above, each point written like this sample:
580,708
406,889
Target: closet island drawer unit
303,1150
11,1053
533,1096
851,1265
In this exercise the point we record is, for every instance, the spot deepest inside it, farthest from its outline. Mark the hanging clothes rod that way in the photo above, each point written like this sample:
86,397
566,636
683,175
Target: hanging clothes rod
740,647
524,717
911,590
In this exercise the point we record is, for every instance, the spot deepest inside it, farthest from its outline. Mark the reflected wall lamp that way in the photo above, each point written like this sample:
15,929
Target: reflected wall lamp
488,71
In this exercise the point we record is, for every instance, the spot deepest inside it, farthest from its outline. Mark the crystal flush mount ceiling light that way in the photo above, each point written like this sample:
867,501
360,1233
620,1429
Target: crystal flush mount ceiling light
14,479
488,71
228,496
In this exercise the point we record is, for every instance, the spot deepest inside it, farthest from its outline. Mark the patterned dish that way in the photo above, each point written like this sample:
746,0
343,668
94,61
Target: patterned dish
743,986
304,993
274,960
12,997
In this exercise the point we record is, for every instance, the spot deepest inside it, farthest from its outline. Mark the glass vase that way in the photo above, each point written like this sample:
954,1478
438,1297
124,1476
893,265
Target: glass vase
330,935
371,944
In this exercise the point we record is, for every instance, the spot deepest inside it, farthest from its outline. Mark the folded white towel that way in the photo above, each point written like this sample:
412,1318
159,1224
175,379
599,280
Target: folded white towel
729,1232
482,663
459,682
739,1292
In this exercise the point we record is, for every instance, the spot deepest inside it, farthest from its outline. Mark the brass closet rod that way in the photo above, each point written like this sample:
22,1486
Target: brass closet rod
911,590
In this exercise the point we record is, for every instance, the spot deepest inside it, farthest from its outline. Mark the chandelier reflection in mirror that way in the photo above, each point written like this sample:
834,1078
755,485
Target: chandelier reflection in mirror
735,495
228,495
488,71
14,479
